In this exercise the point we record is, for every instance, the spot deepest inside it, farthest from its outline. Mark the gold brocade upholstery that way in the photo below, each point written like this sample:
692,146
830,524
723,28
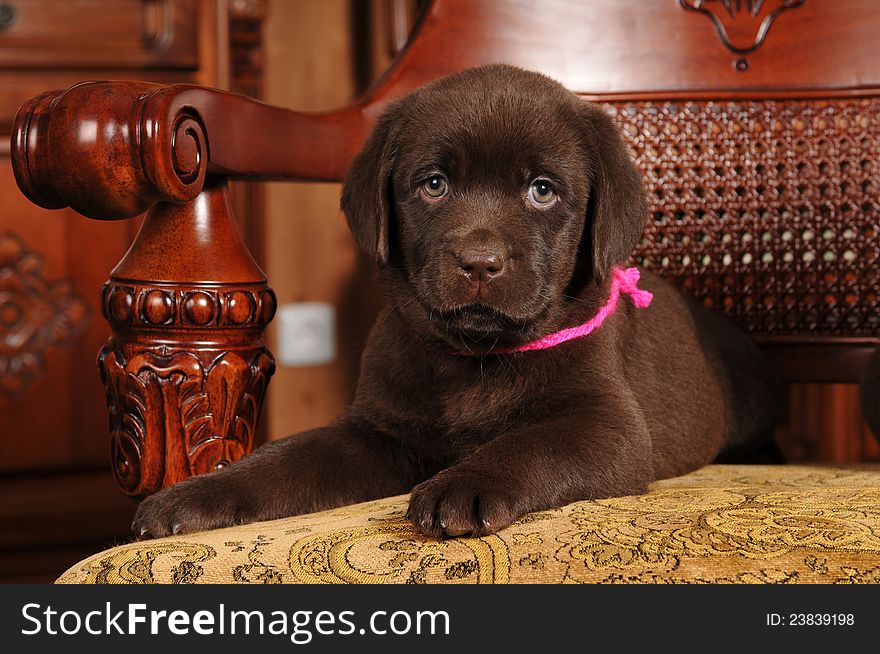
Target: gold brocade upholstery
720,524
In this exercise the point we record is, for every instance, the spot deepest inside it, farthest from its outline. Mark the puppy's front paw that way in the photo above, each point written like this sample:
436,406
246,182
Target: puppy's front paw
460,503
197,504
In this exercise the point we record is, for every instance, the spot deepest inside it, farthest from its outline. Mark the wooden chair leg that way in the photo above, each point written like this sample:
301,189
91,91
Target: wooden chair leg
186,367
869,395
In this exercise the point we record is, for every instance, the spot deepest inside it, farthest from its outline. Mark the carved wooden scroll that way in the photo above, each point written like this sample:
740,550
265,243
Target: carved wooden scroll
186,367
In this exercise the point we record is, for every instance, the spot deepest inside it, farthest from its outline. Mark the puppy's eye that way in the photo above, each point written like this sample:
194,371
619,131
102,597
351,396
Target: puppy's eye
435,186
541,193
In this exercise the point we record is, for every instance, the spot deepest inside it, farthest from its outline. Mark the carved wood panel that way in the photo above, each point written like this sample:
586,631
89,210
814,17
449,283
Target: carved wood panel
59,499
35,314
186,368
191,404
742,25
178,412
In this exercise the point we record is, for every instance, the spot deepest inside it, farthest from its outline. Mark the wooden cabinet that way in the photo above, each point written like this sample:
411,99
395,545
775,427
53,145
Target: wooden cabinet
57,497
100,34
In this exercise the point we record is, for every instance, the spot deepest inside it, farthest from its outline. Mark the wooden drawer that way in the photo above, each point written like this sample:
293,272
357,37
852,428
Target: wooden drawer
98,34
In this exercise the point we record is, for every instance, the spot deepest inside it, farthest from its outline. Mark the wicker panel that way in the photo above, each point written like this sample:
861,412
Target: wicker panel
765,210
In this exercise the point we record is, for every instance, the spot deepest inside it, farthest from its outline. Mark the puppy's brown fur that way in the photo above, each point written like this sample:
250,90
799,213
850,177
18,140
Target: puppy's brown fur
482,438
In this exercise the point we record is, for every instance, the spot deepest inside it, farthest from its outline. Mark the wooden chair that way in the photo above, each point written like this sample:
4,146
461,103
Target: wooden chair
756,125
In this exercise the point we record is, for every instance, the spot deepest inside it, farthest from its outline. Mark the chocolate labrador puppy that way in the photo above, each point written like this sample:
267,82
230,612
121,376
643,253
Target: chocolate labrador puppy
517,368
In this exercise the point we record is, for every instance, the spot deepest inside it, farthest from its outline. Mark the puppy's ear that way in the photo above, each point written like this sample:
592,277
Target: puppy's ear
616,208
366,191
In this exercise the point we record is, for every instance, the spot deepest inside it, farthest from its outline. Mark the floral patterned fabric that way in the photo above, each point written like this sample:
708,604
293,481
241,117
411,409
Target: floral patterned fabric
720,524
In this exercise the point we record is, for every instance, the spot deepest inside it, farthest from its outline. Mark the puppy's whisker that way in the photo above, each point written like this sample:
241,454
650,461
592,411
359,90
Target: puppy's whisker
572,298
509,361
396,306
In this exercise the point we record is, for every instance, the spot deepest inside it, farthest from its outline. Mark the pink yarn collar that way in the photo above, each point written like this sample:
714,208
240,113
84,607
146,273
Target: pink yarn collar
623,281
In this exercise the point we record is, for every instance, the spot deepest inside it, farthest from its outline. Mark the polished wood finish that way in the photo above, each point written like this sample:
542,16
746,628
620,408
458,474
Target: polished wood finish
186,367
100,34
605,48
246,55
825,424
756,135
54,438
44,274
50,521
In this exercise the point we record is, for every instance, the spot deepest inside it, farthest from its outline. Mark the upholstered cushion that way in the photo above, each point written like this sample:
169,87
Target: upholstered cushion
721,524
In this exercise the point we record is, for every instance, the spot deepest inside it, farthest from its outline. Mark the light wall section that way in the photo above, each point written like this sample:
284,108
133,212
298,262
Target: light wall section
310,255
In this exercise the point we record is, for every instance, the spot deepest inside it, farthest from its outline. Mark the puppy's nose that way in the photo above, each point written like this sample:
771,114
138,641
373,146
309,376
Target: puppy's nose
481,265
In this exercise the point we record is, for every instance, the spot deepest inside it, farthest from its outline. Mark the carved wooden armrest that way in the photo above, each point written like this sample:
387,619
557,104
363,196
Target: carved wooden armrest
186,367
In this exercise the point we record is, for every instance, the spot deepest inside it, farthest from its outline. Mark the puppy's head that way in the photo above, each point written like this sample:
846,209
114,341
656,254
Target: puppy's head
491,197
